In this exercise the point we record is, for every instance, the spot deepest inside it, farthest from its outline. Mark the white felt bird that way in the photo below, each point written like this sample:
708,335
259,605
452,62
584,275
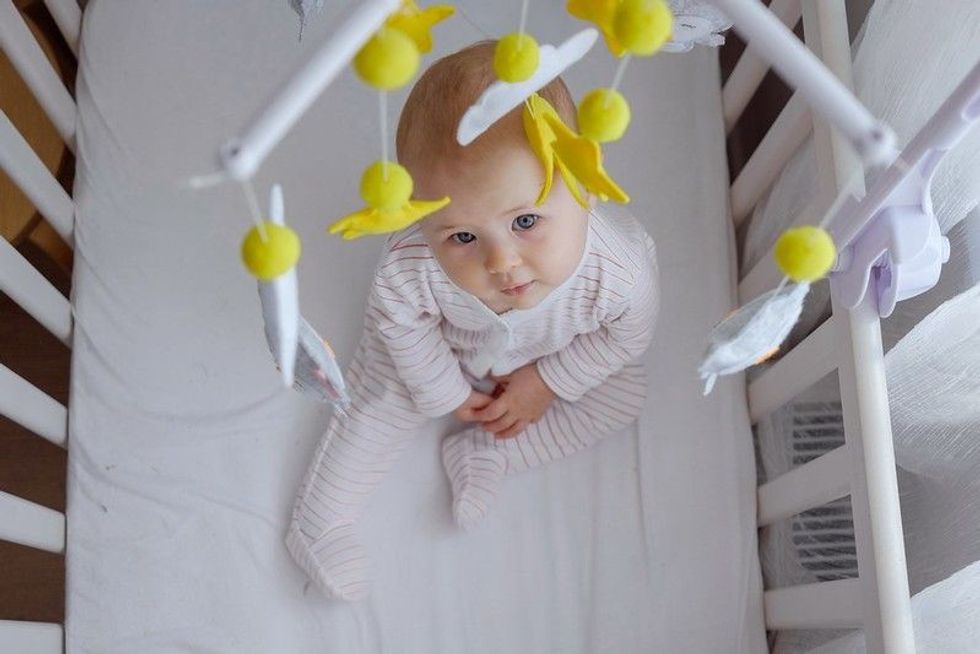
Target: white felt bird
306,362
696,22
753,333
280,303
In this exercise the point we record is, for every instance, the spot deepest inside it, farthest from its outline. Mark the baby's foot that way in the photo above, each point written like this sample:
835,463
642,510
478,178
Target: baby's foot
475,475
335,561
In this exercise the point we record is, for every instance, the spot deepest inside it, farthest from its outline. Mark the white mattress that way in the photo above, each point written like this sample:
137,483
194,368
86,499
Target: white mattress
185,452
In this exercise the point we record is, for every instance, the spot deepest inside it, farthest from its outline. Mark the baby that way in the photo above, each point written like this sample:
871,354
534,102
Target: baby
524,320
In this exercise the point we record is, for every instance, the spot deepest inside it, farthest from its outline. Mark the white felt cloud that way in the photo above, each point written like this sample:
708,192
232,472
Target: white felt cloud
696,21
501,97
752,333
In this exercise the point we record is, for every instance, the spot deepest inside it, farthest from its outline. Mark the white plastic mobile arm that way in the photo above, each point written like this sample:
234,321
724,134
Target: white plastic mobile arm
242,156
874,141
893,243
770,39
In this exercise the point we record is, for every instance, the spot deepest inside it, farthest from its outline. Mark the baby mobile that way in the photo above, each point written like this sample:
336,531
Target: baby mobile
390,59
631,27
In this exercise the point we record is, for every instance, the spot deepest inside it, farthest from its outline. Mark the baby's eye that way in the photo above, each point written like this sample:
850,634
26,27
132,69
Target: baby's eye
463,237
525,222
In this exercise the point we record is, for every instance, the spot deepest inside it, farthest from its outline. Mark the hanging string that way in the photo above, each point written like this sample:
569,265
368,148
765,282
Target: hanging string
618,78
253,207
845,191
472,23
520,30
383,115
843,195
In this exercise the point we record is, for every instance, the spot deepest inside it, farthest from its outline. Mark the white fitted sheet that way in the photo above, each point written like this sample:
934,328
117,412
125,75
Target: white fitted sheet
185,452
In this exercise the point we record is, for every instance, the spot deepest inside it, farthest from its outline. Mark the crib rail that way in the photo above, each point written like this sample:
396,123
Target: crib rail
786,135
68,16
751,69
850,342
29,173
825,605
800,368
30,637
27,57
21,521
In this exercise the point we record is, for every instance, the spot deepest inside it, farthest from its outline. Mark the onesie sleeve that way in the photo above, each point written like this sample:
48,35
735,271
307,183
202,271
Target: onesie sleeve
408,323
622,337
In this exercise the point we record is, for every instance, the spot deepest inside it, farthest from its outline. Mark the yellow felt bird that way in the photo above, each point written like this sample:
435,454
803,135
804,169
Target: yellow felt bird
370,221
540,136
637,27
417,23
602,13
578,159
386,187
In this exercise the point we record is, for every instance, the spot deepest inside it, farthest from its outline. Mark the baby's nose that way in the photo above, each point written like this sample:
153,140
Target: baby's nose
501,260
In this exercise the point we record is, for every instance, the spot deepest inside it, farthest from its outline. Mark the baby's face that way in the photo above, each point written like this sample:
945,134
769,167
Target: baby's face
493,241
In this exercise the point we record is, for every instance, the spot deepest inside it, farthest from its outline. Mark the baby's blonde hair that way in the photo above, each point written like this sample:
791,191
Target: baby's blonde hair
427,128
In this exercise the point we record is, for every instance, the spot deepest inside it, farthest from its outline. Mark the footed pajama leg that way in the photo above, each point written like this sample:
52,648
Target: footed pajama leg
476,461
352,458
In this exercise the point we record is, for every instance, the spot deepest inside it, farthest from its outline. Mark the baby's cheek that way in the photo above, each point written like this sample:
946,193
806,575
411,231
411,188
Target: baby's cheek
466,271
561,256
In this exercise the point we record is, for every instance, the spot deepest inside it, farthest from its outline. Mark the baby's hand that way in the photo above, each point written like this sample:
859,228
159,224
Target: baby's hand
524,400
467,410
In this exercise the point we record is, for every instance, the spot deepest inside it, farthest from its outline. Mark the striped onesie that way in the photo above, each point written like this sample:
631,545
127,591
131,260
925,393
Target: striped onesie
427,344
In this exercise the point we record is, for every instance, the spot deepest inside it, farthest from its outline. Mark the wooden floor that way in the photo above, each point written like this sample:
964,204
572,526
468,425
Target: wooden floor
32,583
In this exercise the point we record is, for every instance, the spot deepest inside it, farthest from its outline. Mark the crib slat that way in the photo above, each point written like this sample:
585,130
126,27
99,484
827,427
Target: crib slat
30,174
825,605
31,524
31,637
28,288
31,408
68,16
35,69
822,480
780,142
801,367
751,68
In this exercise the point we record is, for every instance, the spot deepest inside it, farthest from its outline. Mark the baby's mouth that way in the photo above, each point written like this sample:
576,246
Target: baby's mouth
520,289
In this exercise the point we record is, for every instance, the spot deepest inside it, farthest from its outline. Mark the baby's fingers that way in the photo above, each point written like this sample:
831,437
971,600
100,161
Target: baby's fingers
493,411
513,431
500,425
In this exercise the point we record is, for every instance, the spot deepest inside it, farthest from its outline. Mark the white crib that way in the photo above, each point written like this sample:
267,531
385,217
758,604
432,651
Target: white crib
849,341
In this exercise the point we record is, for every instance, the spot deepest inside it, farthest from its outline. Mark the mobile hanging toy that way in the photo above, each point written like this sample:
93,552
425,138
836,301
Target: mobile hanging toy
389,60
270,252
897,254
639,27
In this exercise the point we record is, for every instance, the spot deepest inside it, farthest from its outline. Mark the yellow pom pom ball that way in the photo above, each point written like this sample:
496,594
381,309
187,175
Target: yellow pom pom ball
642,26
387,61
603,115
270,258
805,254
516,57
386,193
